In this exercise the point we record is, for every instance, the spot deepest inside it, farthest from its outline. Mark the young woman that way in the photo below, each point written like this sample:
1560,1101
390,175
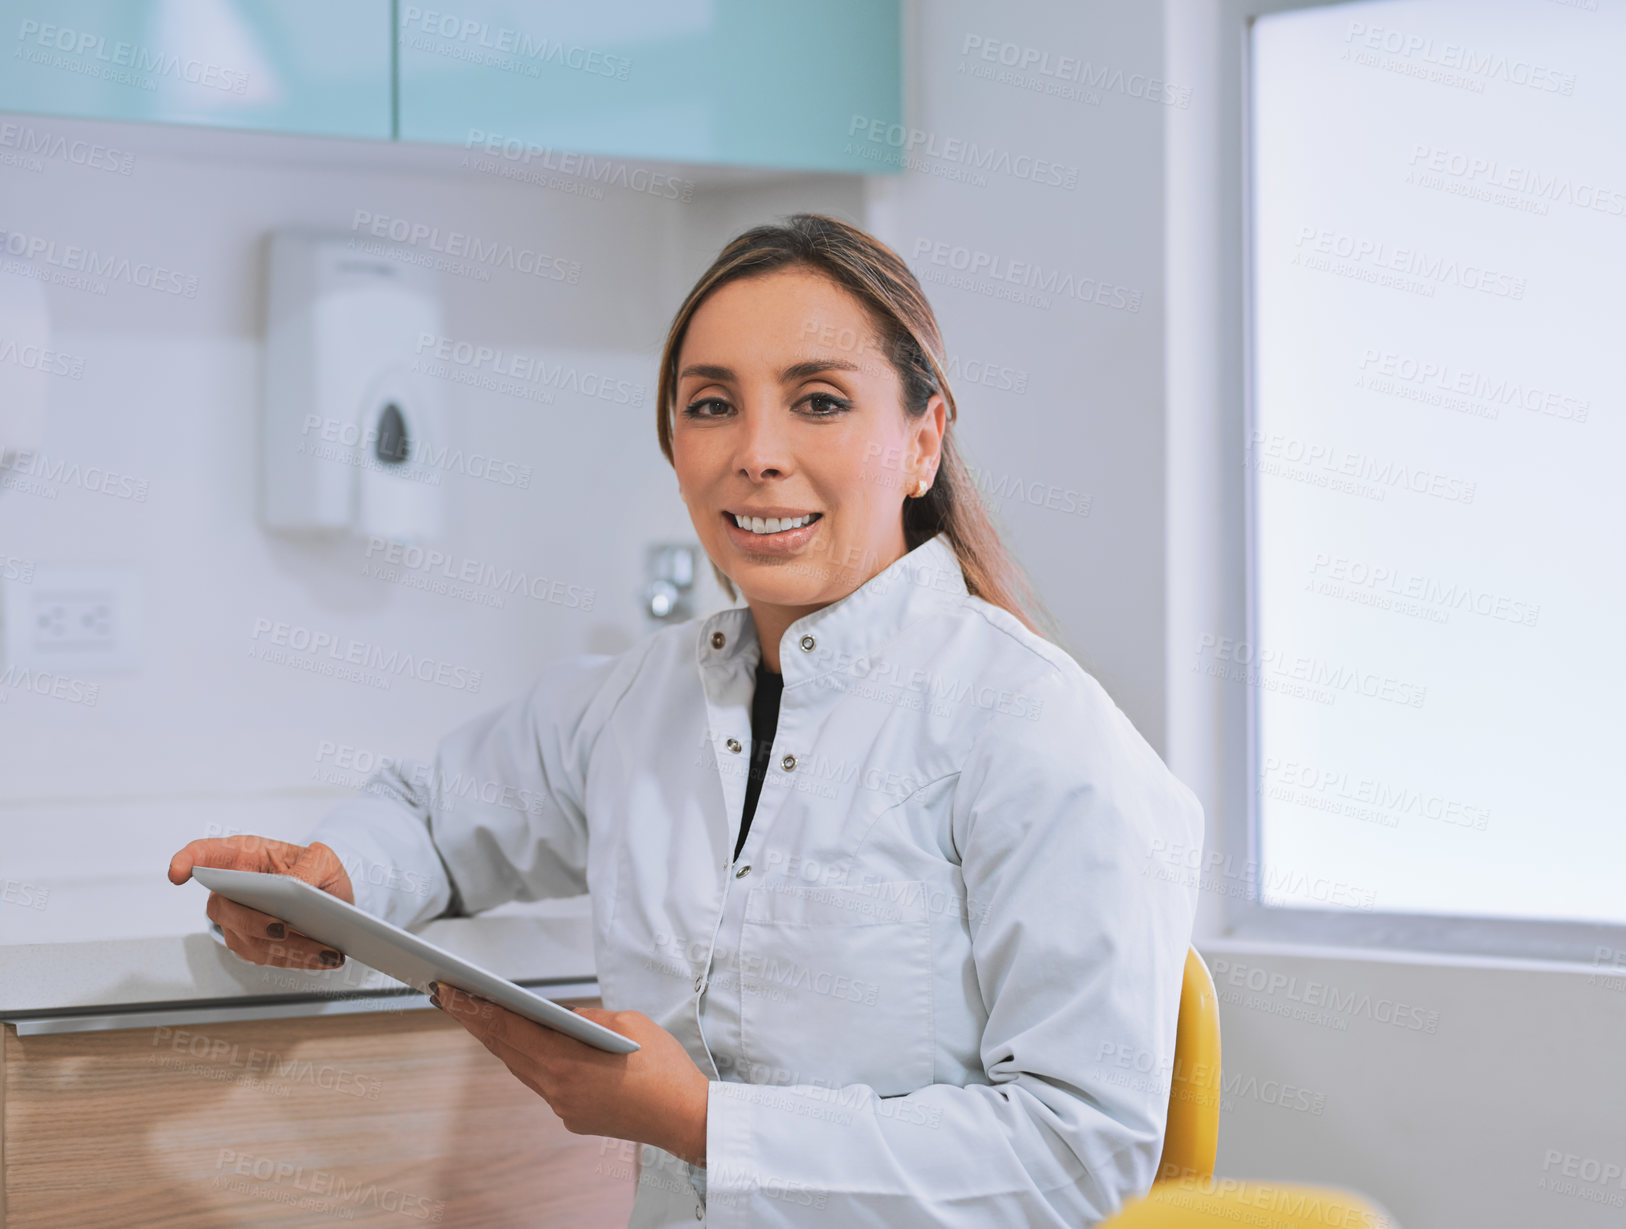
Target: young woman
871,861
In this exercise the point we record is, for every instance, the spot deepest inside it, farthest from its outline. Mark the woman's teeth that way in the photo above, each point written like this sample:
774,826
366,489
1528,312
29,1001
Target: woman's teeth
773,524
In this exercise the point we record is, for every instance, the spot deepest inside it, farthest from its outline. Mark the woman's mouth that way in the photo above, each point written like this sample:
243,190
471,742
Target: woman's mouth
771,533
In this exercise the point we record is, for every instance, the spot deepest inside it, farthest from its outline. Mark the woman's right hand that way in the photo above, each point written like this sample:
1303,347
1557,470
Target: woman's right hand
257,936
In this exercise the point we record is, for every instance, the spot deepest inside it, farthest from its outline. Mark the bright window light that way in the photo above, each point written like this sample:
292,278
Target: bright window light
1435,453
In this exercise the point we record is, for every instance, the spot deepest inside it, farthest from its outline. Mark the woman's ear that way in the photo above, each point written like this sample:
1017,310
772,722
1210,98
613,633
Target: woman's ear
928,437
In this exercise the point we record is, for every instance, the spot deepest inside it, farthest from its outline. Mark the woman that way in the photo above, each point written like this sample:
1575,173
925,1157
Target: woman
868,856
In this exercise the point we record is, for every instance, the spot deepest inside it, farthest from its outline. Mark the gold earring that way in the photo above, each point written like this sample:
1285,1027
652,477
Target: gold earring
921,488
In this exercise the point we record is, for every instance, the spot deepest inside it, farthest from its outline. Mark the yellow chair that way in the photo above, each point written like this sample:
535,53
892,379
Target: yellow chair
1185,1194
1192,1139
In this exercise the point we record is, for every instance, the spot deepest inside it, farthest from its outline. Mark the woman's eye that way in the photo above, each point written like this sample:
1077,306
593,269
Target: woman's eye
696,409
831,406
820,405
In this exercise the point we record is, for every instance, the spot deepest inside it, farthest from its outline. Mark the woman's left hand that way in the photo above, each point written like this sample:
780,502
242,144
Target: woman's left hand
654,1096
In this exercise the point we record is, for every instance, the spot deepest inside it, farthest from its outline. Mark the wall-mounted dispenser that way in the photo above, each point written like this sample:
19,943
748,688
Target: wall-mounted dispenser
27,360
348,422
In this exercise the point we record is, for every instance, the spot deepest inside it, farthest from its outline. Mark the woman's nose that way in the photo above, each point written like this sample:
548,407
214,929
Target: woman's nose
762,447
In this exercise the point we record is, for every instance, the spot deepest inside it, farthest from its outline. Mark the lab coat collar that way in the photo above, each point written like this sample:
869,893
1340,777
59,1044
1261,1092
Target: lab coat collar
849,633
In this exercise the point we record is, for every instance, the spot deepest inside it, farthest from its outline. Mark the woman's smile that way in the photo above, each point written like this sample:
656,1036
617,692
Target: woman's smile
771,531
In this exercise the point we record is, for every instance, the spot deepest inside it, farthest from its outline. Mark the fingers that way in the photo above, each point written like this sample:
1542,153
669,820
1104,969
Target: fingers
511,1036
245,852
489,1026
246,921
266,940
180,866
319,865
493,1026
294,952
249,933
550,1064
316,864
628,1023
474,1012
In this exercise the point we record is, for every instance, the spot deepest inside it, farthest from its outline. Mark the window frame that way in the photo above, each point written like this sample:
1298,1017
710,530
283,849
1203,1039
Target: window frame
1233,779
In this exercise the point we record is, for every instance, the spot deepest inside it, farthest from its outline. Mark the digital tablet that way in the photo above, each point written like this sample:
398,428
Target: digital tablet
396,952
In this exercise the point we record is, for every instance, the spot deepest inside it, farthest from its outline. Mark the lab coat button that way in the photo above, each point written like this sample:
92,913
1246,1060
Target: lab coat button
718,640
743,871
734,745
699,982
807,643
788,763
699,1213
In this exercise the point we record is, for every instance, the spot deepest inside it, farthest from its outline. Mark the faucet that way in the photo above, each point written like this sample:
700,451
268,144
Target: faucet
668,591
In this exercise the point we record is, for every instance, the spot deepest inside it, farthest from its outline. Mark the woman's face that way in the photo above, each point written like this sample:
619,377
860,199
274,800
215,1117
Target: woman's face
788,409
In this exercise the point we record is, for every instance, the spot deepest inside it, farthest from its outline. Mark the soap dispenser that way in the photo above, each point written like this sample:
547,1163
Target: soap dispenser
351,424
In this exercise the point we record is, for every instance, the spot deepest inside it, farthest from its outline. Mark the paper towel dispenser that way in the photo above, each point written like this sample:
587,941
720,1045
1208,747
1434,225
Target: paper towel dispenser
27,360
350,424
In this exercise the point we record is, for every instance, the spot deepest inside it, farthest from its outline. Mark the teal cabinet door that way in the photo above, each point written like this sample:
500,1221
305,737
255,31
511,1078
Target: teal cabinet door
320,67
766,83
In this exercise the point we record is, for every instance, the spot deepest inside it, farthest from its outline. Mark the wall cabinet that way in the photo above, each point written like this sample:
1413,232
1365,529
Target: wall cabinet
296,66
751,83
767,83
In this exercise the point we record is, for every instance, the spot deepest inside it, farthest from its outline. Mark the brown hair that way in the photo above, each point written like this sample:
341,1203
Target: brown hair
875,275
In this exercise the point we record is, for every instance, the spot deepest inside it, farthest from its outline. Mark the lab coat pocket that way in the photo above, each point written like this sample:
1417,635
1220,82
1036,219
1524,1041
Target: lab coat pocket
836,986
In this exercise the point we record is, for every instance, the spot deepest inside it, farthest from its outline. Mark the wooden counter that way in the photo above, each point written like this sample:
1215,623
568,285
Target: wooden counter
373,1118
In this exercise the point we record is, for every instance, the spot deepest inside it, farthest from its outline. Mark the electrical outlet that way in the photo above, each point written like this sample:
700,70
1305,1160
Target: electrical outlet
72,620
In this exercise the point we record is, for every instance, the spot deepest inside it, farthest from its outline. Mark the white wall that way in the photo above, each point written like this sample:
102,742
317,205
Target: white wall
1086,433
1454,1092
203,738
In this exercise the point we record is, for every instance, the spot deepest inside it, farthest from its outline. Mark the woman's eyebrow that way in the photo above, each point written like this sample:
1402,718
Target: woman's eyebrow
812,367
707,371
796,371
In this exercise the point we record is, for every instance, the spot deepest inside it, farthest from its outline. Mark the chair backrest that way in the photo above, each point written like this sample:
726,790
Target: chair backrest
1192,1139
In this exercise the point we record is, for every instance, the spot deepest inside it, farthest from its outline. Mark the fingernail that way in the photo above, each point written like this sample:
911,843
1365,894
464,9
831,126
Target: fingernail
277,930
434,1000
434,988
331,958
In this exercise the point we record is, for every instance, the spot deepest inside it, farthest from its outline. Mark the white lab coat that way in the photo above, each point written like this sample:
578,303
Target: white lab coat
939,987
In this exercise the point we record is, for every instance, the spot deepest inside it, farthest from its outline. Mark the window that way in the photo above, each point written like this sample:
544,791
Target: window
1436,429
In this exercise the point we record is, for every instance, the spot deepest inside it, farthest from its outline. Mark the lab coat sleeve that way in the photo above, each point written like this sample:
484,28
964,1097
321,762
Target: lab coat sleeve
498,813
1078,947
